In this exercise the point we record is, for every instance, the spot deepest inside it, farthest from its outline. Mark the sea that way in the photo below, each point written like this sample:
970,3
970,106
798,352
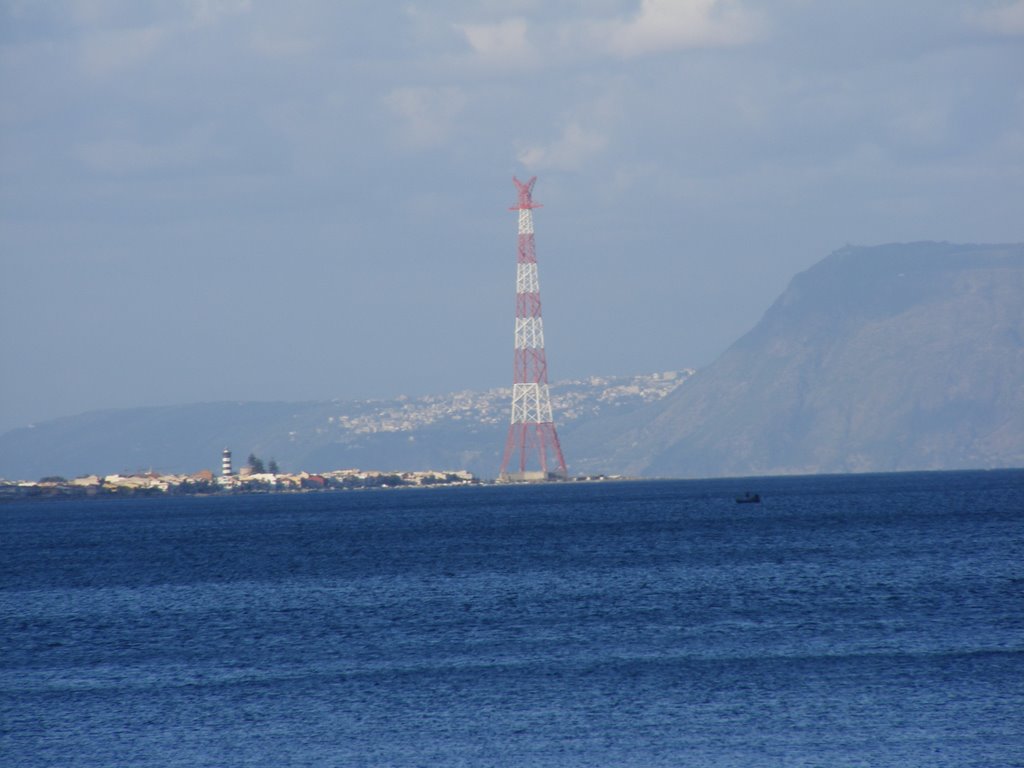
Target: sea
859,620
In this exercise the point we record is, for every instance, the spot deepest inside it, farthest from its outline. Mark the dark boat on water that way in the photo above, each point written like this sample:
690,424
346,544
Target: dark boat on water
749,498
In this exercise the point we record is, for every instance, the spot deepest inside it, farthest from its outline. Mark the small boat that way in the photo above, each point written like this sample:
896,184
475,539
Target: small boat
749,498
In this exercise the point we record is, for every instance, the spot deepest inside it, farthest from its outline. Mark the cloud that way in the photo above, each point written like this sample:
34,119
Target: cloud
207,12
111,51
90,11
1004,20
585,131
570,151
504,43
657,26
664,25
278,46
125,156
428,114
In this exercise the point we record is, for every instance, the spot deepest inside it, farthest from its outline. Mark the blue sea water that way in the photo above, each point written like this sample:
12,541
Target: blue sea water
873,620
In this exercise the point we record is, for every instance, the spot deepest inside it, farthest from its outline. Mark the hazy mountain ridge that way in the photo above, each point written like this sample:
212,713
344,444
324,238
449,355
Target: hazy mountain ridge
461,430
888,358
896,357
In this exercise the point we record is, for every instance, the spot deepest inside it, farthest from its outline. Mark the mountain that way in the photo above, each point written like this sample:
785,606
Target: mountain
895,357
461,430
889,358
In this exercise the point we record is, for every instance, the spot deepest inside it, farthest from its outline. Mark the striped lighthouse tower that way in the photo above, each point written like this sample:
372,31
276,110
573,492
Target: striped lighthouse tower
531,433
225,463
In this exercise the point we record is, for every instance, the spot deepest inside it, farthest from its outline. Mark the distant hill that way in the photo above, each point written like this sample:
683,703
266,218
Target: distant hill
896,357
461,430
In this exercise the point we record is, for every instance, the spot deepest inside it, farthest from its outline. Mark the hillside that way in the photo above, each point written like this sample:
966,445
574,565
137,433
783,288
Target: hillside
889,358
461,430
896,357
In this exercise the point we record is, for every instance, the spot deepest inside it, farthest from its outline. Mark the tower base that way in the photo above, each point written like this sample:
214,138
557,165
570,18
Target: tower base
531,477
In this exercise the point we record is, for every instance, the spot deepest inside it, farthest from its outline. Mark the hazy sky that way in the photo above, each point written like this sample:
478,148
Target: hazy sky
210,200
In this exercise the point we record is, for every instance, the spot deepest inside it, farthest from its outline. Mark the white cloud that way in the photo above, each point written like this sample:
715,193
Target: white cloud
504,43
206,12
657,26
128,156
664,25
428,114
277,46
570,151
107,52
1004,20
92,11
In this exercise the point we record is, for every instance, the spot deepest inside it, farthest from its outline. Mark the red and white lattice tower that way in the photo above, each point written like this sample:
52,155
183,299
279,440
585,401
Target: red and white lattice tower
532,429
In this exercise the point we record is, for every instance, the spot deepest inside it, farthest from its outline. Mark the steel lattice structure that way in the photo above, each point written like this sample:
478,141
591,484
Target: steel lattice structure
532,428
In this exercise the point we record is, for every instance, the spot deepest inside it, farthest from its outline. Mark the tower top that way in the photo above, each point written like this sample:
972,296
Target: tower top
525,190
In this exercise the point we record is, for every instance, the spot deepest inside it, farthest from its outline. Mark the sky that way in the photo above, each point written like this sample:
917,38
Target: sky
206,200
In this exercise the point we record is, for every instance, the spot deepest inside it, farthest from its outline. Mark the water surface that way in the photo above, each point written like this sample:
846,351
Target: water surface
859,621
